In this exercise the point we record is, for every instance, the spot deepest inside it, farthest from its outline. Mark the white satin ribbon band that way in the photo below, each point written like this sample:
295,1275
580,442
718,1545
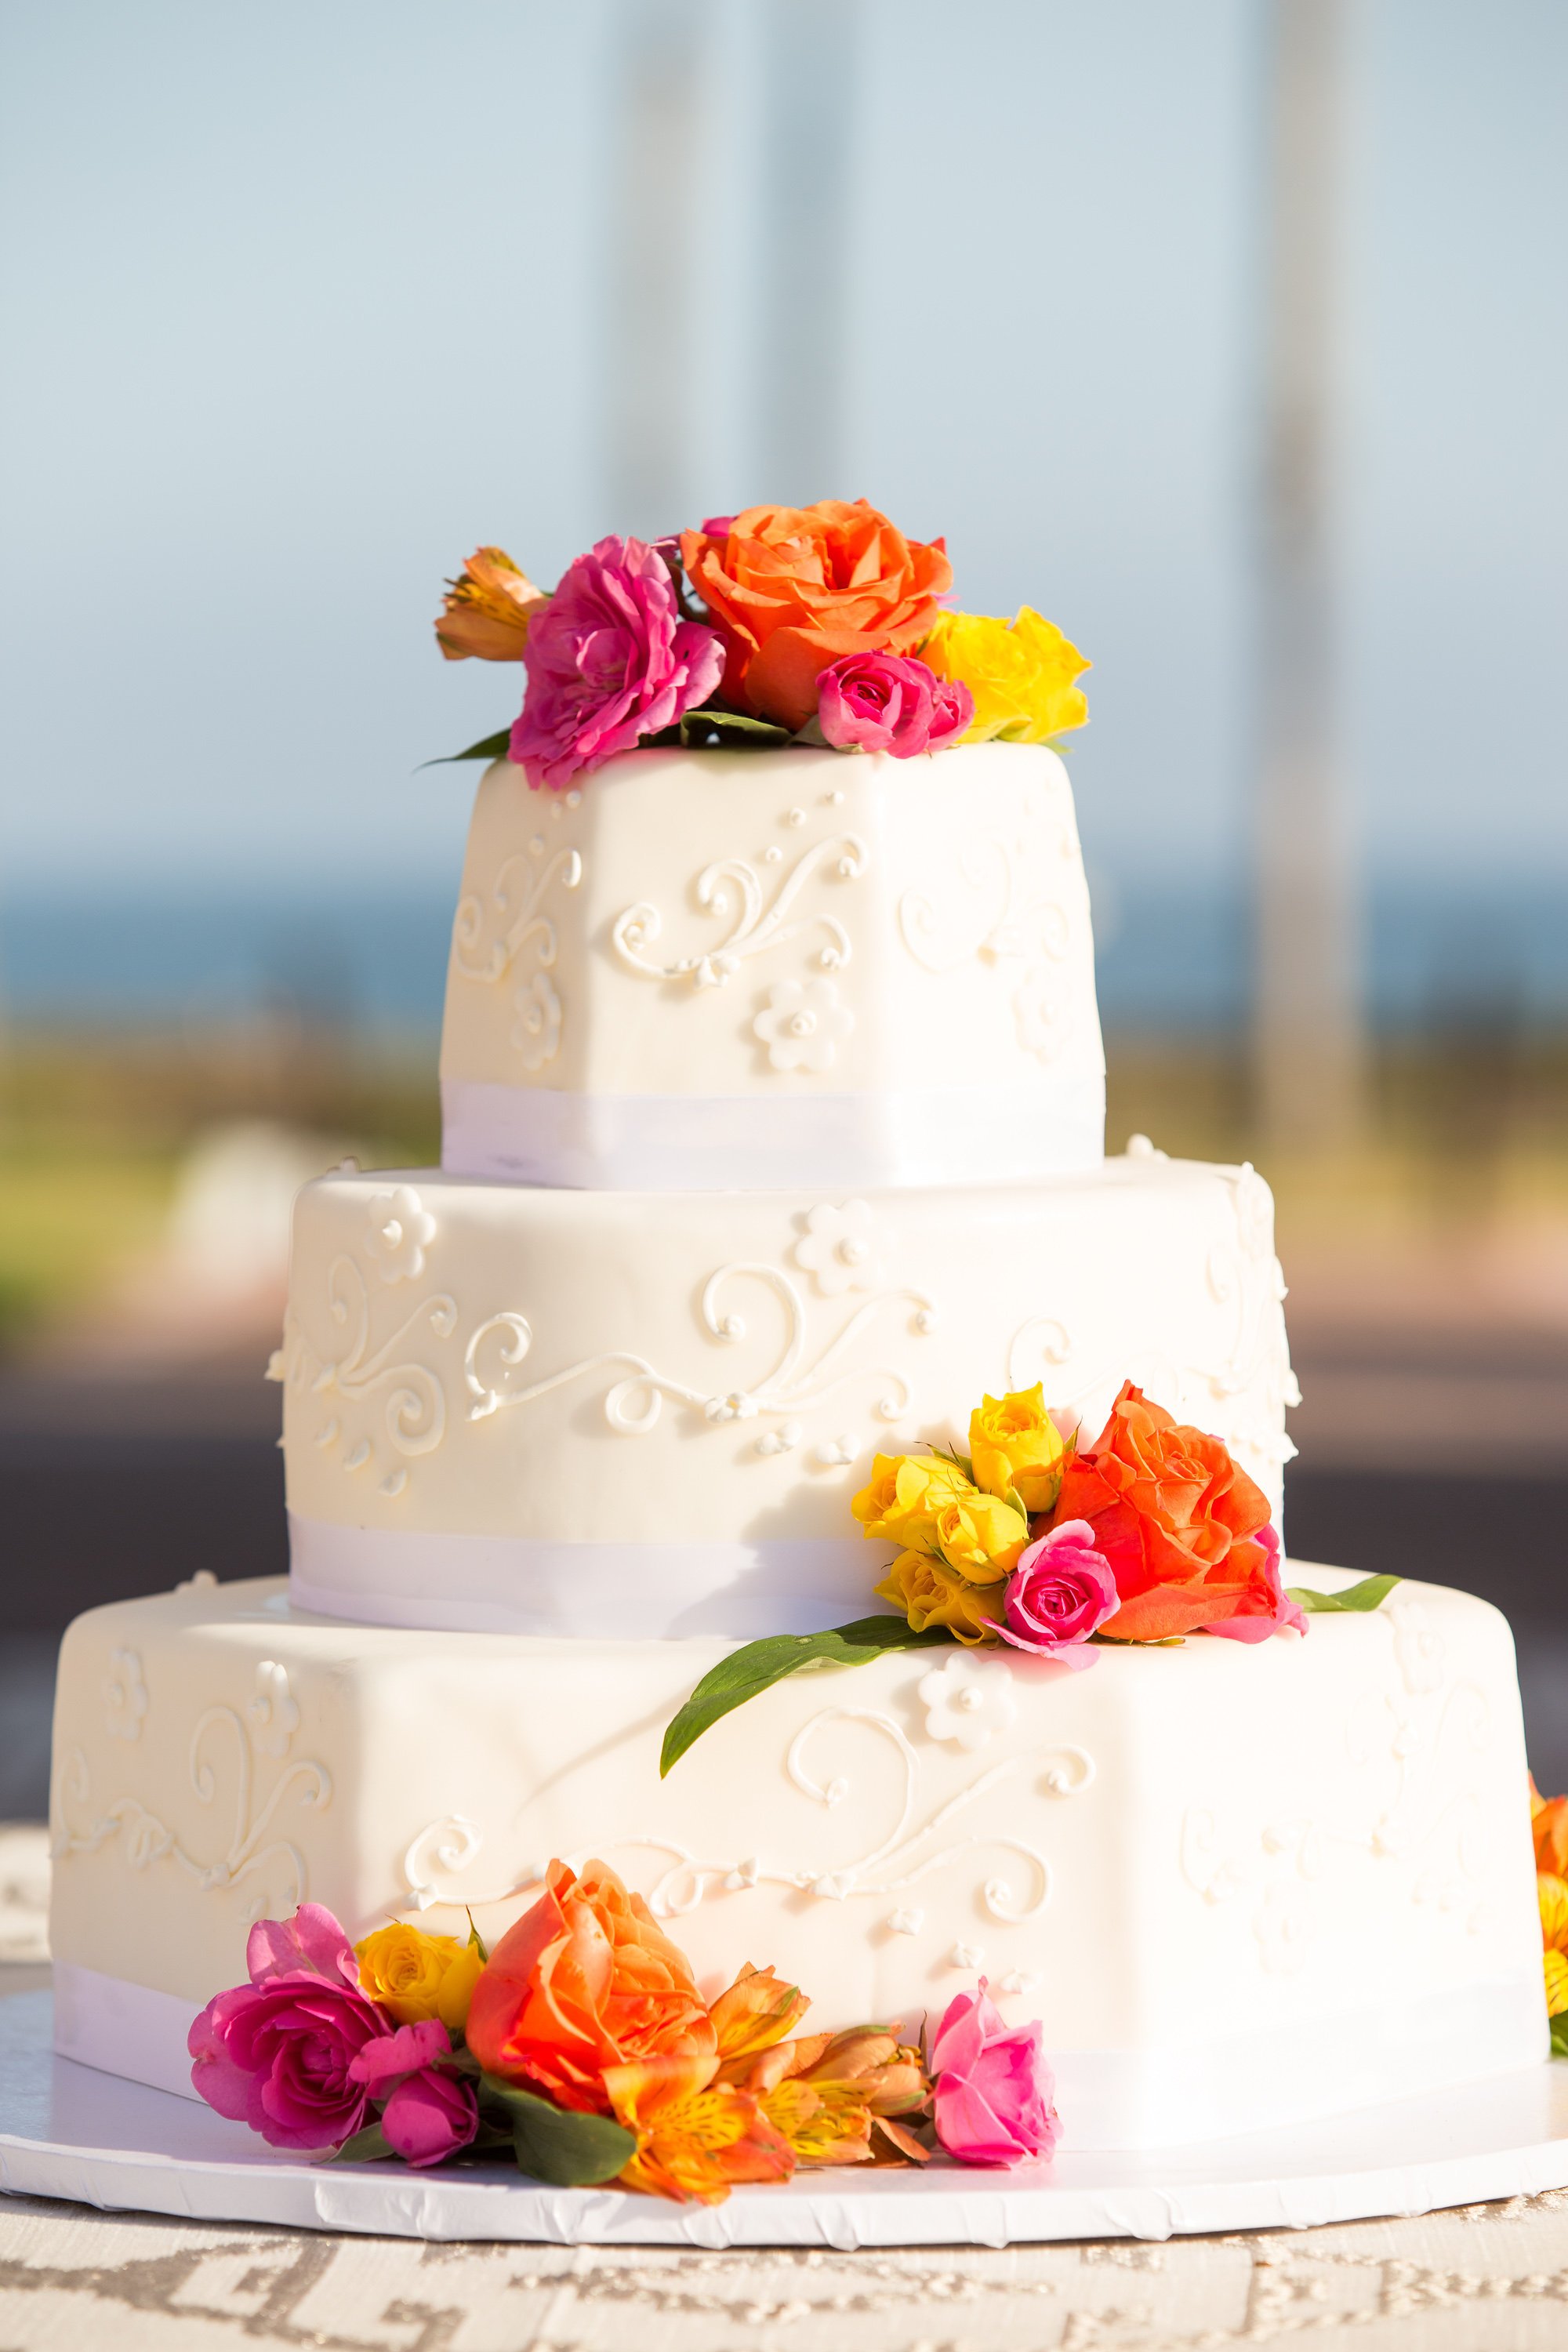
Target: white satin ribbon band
732,1143
124,2029
594,1591
1108,2099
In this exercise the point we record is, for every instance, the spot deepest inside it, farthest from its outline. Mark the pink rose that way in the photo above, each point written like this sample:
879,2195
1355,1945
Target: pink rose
1264,1612
609,660
1060,1590
889,703
277,2054
995,2089
430,2112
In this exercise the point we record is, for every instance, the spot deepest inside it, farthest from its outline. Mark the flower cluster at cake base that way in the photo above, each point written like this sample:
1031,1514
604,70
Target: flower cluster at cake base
1030,1540
581,2048
821,626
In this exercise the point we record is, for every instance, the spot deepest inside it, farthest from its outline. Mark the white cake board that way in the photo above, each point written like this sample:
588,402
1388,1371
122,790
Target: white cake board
67,2131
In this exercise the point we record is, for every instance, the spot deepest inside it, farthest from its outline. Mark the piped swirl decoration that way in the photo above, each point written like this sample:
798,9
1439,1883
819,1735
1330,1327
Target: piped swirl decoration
633,1404
734,892
221,1754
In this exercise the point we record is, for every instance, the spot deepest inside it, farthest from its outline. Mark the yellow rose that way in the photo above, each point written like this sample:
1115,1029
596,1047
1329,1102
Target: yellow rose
485,614
931,1594
979,1535
906,1492
1020,673
1016,1444
417,1976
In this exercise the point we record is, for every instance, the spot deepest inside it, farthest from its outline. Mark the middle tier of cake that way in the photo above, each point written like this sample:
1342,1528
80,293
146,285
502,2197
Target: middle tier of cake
569,1413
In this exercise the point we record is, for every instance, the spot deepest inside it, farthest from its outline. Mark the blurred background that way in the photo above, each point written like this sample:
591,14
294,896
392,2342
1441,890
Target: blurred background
1228,333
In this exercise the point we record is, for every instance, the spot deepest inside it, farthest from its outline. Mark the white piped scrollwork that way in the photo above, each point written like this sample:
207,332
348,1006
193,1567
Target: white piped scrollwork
1422,1818
487,942
734,892
251,1851
633,1404
1000,923
414,1418
911,1852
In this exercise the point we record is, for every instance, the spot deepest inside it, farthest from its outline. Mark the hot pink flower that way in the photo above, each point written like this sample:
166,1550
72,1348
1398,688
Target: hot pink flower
609,661
995,2089
1266,1612
277,2054
1060,1590
889,703
430,2112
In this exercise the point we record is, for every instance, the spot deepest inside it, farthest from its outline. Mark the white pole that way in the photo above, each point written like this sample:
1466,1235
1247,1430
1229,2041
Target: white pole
1307,1036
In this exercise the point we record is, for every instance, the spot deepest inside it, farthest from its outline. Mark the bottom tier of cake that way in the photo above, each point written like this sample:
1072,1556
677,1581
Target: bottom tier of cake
1241,1885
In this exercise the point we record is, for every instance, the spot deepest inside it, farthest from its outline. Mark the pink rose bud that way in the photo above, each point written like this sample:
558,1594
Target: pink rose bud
1061,1590
889,703
995,2089
429,2116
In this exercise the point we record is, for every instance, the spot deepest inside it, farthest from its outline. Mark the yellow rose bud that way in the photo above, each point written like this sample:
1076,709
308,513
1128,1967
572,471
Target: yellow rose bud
1020,673
406,1971
457,1989
980,1535
906,1492
931,1594
1016,1444
485,613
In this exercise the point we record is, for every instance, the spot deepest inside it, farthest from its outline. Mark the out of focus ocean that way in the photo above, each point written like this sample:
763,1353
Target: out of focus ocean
1171,958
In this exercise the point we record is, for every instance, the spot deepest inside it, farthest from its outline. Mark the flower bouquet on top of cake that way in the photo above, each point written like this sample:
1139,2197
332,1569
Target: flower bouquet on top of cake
820,626
582,2048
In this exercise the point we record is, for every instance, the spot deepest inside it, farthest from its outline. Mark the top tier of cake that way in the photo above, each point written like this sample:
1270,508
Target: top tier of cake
724,970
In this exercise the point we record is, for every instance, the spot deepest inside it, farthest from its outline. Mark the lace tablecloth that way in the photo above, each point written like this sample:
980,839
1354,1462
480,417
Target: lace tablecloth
1486,2279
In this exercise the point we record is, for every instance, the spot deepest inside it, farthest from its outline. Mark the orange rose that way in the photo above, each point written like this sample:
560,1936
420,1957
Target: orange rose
582,1981
1180,1525
790,589
1549,1822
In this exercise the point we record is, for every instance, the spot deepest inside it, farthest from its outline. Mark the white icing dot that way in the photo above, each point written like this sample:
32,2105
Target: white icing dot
348,1166
774,856
574,799
359,1457
967,1956
925,1321
794,816
906,1923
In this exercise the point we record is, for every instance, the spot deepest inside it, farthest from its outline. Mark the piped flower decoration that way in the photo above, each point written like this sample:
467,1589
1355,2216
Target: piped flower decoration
802,1025
401,1230
841,1247
968,1701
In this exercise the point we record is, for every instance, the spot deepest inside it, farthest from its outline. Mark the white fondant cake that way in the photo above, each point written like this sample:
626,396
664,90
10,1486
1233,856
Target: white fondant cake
730,968
549,1411
806,1045
1243,1885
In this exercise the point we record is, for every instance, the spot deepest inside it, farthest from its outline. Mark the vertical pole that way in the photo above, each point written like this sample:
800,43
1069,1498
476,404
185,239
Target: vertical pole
652,271
1308,1040
810,50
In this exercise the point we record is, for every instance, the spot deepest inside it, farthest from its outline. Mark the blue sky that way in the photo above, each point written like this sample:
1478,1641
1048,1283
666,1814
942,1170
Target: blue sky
304,302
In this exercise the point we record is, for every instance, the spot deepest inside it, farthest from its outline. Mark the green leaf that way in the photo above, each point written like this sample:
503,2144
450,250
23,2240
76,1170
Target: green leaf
959,1461
1368,1594
733,730
810,737
365,2148
490,747
747,1672
568,2150
1560,2034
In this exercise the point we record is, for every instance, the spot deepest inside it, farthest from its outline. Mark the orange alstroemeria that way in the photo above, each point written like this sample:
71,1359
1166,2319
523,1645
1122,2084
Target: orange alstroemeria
1549,1822
835,2096
757,2011
485,614
695,2137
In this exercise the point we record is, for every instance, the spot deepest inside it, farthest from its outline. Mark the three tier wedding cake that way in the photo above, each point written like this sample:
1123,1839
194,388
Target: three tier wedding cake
776,1383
